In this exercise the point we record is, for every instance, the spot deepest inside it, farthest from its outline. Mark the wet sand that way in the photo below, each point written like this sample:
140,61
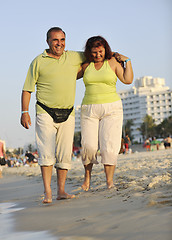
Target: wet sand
138,208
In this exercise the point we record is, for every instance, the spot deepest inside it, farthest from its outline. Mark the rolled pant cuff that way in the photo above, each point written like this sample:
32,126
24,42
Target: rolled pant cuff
46,162
109,158
63,166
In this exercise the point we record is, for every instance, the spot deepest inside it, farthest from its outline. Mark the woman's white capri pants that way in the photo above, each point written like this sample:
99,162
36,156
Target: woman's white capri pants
101,128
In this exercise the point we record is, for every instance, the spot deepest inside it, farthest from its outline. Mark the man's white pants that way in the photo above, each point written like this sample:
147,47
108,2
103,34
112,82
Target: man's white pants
54,141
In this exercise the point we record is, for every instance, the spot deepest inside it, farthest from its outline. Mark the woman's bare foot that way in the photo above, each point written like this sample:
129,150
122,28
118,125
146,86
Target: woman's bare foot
86,185
65,196
110,185
109,171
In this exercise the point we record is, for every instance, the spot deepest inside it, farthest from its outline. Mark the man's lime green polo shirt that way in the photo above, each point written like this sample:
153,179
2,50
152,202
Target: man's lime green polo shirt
55,79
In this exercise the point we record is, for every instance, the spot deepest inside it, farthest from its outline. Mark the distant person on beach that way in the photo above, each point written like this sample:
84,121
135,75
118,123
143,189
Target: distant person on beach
101,111
54,73
126,143
167,142
2,156
147,144
30,157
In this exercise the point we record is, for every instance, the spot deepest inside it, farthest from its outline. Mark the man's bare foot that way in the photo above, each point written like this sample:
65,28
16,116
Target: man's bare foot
85,186
47,197
47,200
65,196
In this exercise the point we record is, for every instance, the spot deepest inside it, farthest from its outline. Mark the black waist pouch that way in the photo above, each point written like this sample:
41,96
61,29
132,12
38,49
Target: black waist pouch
58,114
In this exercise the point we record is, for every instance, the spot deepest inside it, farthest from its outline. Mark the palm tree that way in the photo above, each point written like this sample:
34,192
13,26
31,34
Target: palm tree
164,128
127,128
147,128
77,139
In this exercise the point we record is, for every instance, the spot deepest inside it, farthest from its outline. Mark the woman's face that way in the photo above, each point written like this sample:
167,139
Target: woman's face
98,54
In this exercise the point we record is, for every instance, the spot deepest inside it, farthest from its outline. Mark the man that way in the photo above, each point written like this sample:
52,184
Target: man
2,156
167,142
54,73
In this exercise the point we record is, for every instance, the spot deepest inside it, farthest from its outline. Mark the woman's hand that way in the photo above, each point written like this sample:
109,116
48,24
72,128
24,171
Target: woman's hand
80,73
82,70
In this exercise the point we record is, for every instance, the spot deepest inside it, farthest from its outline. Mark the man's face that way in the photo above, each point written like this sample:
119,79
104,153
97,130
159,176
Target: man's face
56,43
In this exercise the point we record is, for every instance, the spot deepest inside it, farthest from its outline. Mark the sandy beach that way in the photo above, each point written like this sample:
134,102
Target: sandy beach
138,208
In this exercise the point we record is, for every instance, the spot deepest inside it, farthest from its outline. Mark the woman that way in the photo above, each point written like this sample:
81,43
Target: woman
101,111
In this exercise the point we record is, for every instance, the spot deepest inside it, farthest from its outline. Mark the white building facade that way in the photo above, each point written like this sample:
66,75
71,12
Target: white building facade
148,96
77,118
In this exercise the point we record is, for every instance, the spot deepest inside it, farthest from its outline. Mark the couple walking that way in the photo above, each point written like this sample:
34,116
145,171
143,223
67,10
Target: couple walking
54,73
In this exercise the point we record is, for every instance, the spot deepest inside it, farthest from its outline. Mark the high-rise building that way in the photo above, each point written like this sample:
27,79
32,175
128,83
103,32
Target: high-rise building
77,118
148,96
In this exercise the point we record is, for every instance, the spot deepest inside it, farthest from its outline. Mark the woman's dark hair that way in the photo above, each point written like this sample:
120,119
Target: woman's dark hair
54,29
97,41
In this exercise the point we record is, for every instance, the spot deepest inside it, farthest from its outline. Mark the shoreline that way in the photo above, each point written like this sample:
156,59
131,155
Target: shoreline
138,208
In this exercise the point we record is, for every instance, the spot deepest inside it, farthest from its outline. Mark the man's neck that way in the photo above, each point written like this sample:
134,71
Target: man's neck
52,55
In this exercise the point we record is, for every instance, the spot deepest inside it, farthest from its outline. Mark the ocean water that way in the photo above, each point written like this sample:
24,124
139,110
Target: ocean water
7,231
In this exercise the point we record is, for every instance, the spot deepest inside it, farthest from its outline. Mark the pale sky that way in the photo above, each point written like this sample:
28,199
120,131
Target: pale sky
138,29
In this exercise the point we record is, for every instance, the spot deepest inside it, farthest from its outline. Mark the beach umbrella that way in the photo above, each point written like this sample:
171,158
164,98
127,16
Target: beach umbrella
154,142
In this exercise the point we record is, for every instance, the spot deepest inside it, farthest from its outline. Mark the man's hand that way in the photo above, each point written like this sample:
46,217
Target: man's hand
120,58
25,120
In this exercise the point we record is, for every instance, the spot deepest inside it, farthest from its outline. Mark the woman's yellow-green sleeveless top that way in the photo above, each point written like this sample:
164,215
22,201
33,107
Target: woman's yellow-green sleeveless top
100,85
